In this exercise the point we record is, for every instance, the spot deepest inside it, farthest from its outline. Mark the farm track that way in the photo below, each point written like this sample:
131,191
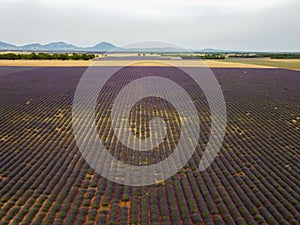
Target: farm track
254,180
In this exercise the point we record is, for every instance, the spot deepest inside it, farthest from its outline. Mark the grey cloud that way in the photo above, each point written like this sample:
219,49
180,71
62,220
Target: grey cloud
273,28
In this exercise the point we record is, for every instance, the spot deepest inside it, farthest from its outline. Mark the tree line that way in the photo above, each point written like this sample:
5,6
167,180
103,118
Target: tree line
281,55
206,56
45,56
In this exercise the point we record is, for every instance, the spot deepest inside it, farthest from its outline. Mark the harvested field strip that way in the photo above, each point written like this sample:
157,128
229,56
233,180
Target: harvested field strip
183,63
277,63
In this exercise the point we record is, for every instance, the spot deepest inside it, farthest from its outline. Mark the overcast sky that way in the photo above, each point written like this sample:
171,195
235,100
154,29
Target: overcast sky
222,24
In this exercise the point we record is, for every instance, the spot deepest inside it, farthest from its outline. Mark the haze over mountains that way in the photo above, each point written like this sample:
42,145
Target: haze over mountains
56,46
101,47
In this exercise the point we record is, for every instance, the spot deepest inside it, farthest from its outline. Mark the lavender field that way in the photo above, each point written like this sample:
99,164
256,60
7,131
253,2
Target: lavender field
253,180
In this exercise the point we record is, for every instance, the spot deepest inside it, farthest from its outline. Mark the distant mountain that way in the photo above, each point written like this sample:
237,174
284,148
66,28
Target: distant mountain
52,47
57,47
66,47
211,50
159,49
6,46
61,46
102,46
31,47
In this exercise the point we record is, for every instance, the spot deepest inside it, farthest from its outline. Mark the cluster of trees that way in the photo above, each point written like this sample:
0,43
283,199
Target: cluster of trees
243,56
206,56
281,55
45,56
239,55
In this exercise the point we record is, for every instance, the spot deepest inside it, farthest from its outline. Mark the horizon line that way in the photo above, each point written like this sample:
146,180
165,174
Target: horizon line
117,46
